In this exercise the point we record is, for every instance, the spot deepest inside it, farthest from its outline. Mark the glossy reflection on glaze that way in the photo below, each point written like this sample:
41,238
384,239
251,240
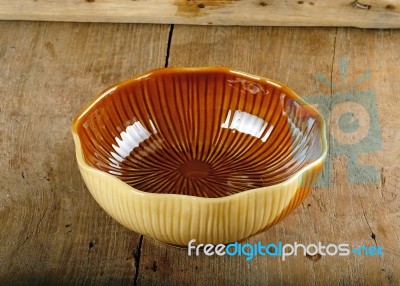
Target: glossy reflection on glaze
208,133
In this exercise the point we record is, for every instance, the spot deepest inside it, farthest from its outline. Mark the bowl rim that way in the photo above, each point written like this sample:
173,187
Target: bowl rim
171,70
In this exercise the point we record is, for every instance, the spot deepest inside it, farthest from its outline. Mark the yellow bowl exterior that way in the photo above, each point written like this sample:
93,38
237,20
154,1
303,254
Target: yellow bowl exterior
177,219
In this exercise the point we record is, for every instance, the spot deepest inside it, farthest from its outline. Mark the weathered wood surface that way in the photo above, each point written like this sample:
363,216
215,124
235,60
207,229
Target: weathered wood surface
354,213
53,231
362,13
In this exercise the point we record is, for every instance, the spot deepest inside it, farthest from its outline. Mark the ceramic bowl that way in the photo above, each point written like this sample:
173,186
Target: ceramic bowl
211,154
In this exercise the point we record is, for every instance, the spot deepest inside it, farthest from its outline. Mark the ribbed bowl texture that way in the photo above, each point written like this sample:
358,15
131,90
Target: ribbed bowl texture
211,154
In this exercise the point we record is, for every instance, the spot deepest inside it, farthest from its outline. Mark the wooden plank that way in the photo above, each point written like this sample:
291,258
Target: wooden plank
363,13
355,208
52,231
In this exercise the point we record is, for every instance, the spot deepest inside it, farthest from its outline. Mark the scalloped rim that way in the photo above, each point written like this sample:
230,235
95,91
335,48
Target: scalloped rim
79,154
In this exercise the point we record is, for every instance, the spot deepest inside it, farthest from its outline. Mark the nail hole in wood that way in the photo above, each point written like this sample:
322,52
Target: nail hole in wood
359,5
314,258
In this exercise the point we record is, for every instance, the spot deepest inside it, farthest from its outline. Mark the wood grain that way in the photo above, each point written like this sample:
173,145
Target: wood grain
353,213
363,13
52,230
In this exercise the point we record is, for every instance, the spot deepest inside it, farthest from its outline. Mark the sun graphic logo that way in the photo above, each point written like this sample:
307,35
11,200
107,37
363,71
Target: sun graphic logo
352,119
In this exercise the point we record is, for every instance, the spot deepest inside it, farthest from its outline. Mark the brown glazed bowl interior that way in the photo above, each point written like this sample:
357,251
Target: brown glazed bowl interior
205,132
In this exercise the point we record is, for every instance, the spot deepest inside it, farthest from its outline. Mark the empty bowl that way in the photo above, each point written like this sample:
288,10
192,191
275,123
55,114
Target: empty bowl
211,154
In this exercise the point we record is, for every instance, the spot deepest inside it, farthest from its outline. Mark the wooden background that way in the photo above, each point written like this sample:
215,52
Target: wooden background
353,13
52,230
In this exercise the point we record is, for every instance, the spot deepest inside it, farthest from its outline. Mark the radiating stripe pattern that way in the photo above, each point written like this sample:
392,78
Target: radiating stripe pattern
210,154
206,134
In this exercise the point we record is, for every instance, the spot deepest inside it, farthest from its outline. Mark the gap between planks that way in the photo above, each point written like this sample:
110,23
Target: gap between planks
138,252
